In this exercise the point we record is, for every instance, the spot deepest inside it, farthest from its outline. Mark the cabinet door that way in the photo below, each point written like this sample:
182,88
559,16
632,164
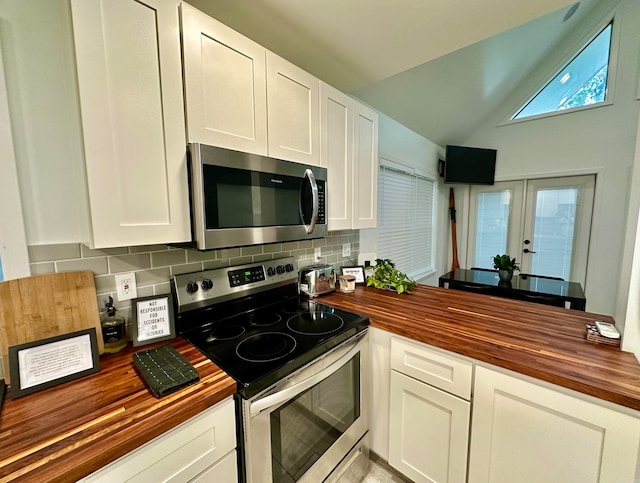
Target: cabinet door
365,170
528,432
428,431
293,97
225,85
202,445
336,153
130,88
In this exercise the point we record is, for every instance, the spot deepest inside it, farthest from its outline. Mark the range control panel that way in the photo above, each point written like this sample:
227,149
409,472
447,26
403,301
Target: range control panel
245,276
199,289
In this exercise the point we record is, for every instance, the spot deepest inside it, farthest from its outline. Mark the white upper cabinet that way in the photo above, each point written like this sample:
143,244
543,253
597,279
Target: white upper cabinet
130,88
349,150
336,154
293,112
365,167
225,85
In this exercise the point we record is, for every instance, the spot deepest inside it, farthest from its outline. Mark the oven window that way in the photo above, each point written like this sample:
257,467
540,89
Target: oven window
237,198
304,428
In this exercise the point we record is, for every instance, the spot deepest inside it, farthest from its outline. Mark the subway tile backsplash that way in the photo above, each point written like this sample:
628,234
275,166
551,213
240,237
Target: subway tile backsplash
154,265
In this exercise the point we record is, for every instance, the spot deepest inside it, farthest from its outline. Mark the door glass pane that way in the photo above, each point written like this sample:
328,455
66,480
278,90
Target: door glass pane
492,226
1,272
553,232
304,428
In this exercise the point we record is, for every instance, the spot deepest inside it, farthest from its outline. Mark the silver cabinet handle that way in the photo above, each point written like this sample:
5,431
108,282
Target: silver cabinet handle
291,392
316,200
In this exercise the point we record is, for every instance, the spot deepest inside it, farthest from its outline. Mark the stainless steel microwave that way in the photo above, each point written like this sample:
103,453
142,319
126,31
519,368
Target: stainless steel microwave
240,199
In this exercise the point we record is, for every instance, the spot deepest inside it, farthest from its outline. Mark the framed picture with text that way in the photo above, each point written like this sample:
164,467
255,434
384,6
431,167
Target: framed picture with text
357,272
152,320
48,362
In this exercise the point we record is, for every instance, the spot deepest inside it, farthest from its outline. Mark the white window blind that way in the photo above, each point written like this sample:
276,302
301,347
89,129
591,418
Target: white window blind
405,214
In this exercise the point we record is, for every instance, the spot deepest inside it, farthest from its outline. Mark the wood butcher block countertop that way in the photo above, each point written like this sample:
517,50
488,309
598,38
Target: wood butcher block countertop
548,343
66,432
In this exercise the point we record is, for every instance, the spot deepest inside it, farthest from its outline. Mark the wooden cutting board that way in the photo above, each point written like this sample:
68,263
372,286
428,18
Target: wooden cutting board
42,306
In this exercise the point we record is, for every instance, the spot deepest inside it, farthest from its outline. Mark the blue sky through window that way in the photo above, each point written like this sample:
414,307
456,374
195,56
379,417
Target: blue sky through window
582,82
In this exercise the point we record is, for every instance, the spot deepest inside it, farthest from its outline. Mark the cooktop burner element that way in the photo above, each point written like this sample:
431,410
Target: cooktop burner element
296,307
265,319
226,332
265,347
257,329
315,323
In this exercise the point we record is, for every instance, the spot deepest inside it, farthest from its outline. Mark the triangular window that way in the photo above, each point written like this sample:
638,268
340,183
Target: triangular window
582,82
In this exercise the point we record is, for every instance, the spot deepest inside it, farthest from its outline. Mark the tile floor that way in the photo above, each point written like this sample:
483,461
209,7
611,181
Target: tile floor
380,472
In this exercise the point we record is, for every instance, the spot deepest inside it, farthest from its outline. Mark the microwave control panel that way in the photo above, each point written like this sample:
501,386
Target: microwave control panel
321,203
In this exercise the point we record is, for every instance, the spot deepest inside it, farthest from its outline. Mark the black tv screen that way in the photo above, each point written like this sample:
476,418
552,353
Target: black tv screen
470,165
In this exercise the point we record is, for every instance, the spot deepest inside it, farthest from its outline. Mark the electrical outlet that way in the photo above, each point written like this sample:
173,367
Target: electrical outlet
346,249
126,286
317,255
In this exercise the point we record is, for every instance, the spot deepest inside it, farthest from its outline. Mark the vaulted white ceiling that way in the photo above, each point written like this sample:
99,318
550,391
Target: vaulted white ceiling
436,66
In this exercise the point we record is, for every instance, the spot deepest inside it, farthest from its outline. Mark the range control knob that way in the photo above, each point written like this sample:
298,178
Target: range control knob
207,284
271,271
289,267
280,269
192,287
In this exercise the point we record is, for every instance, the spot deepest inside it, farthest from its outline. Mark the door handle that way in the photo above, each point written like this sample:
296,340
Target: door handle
316,201
526,250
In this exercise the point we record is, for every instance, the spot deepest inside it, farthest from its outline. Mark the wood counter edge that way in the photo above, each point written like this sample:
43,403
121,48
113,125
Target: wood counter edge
92,444
596,386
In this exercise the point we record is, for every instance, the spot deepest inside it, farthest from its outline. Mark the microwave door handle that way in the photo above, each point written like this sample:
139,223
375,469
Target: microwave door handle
291,392
316,200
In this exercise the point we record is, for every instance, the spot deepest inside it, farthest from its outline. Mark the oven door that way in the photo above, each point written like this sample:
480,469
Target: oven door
303,428
244,199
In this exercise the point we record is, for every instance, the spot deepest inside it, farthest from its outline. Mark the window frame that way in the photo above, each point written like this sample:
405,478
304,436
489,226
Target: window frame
562,64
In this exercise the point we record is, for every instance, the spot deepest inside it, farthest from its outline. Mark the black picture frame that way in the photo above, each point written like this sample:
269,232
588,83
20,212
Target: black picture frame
357,271
43,355
152,320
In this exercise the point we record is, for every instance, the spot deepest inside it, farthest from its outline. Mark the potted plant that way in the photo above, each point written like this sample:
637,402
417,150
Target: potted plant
506,265
387,277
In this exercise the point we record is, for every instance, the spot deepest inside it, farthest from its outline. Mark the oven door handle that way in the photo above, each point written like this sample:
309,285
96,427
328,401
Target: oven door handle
291,392
316,201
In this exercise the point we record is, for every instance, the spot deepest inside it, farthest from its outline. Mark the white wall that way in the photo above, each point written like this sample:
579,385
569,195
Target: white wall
401,145
600,140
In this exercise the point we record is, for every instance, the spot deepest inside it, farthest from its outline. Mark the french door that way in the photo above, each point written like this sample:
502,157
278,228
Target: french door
543,223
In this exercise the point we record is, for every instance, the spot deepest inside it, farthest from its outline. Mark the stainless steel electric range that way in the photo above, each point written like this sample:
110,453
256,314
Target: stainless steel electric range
301,369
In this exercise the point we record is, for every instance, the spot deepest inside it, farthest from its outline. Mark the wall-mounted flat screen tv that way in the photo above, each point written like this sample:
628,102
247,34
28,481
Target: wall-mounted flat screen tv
469,165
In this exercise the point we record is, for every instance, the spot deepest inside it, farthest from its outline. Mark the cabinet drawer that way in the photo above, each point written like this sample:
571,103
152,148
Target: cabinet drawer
181,453
442,369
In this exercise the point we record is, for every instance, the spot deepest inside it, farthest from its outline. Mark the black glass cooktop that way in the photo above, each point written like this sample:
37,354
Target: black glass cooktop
261,345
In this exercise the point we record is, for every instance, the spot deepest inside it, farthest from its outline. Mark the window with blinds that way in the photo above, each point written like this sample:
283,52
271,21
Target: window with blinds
405,220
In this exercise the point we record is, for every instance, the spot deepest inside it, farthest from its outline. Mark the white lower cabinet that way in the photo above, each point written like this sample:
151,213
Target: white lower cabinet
200,449
428,426
529,431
